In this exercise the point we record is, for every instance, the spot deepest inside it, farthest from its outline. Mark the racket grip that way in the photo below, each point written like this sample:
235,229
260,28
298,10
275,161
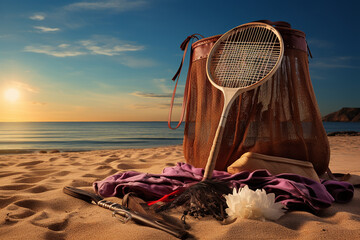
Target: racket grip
229,97
211,162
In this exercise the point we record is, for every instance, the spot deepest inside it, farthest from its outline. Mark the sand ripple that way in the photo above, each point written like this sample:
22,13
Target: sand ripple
33,206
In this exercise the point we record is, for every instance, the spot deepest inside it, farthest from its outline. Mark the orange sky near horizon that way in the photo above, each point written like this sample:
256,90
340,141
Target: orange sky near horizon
37,104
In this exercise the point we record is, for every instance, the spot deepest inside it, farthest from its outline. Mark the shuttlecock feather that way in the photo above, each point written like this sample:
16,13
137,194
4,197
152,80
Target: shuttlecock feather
246,203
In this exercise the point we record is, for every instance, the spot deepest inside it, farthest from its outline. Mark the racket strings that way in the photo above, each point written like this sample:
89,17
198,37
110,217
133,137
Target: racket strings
245,57
253,55
227,78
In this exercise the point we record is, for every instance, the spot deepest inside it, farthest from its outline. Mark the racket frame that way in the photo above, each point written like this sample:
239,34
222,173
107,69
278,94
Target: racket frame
230,94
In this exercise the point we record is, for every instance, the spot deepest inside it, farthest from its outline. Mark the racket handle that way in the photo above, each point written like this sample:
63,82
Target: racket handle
229,96
210,165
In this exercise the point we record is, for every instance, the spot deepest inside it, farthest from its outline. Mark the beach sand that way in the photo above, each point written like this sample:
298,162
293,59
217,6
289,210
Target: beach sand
33,206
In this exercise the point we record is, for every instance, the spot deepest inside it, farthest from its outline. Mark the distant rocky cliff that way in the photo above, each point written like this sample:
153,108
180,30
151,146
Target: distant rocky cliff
344,115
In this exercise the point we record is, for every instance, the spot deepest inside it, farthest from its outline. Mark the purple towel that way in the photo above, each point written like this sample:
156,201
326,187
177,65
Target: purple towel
294,191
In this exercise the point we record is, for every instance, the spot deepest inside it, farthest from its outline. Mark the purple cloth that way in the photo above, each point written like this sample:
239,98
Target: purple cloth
294,191
342,192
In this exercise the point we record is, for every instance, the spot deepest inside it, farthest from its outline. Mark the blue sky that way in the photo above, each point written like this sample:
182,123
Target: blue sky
113,60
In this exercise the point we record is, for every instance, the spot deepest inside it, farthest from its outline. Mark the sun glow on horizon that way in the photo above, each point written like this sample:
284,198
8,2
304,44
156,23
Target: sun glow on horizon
11,95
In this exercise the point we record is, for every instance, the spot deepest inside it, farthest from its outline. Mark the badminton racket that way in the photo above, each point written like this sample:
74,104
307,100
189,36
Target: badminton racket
241,59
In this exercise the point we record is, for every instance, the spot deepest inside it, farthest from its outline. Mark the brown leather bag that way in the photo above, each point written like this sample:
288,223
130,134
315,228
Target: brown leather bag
280,118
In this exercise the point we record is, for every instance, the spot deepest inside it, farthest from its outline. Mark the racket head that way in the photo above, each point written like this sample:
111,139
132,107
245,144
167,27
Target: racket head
245,56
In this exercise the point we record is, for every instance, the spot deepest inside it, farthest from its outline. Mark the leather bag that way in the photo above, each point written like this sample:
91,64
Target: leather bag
280,118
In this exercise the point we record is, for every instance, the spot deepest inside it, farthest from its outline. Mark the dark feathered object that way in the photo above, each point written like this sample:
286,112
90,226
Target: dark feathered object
203,198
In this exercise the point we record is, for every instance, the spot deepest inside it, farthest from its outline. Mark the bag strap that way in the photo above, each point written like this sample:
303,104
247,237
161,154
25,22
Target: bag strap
184,46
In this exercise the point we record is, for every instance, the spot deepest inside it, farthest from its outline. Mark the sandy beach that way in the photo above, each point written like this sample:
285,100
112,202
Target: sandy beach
33,205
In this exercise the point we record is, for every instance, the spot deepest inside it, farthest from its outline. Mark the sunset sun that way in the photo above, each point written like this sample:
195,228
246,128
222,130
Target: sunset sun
11,94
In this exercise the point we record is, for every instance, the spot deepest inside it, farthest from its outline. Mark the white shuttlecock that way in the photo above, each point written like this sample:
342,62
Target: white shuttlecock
247,203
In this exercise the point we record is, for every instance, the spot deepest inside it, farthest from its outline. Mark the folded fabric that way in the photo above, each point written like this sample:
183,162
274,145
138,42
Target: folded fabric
342,192
294,191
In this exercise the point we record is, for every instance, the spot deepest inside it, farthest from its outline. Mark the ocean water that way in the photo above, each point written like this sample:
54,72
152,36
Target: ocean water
83,136
341,126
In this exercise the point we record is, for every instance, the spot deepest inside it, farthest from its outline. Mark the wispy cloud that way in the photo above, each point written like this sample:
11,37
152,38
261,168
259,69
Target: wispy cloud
98,45
37,17
150,95
155,100
56,51
64,45
109,48
161,83
346,62
114,5
39,103
25,86
4,36
158,100
46,29
165,91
